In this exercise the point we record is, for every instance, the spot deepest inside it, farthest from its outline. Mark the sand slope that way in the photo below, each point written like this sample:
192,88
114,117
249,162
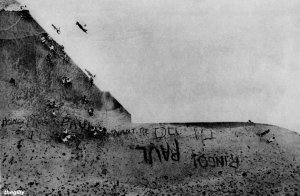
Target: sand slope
72,153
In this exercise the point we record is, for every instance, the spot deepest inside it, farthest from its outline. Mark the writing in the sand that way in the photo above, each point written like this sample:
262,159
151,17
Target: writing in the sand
161,152
203,161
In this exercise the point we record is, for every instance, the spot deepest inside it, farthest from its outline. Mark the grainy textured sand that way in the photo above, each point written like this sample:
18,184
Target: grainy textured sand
72,153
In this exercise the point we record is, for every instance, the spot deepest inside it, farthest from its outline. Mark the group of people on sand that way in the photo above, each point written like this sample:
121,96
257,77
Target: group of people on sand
94,131
48,42
53,105
263,133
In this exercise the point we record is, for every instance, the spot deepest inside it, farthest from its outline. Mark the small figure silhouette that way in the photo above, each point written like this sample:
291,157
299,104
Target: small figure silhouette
51,104
91,81
90,74
91,111
81,27
43,40
56,29
12,81
249,121
91,77
48,59
263,133
53,113
84,100
66,82
22,7
271,140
